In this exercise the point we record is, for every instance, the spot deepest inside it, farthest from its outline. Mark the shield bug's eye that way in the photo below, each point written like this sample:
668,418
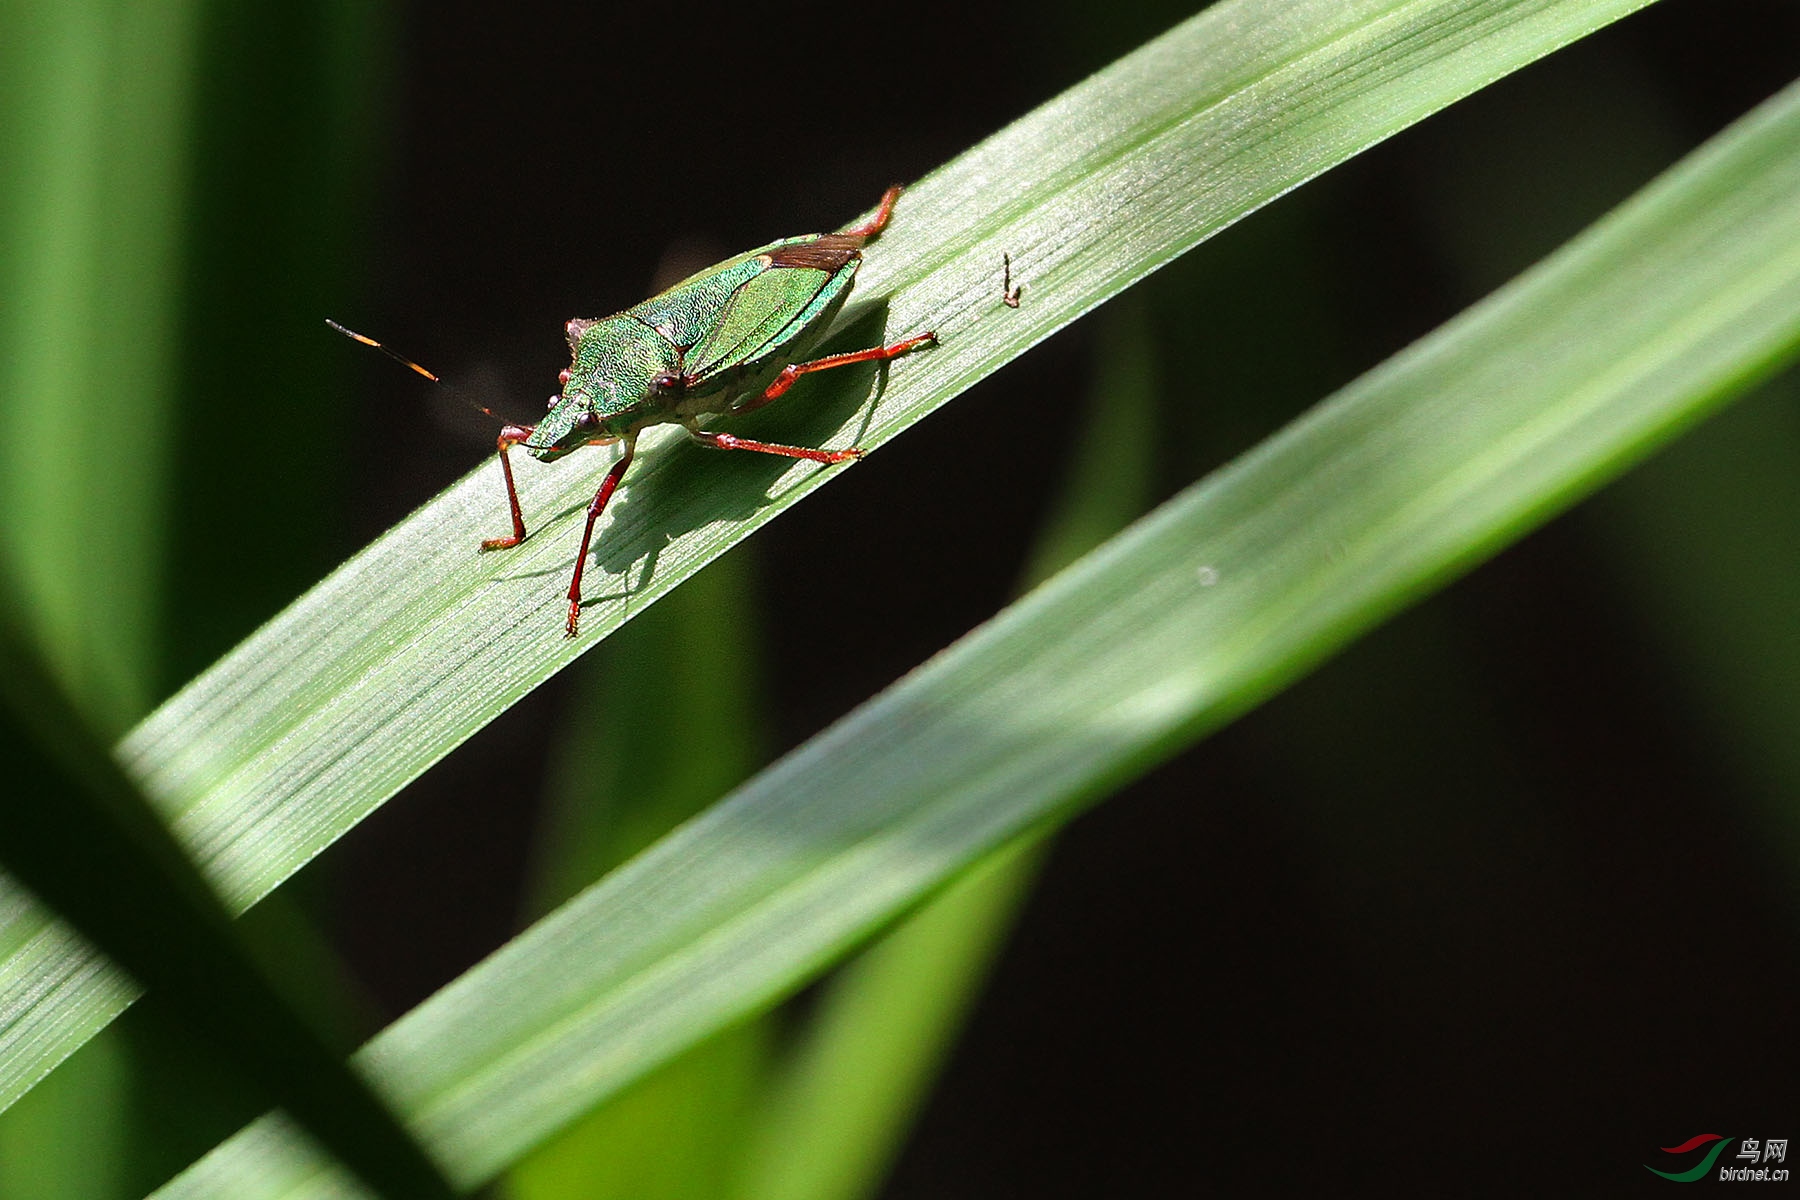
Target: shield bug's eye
554,401
586,419
563,377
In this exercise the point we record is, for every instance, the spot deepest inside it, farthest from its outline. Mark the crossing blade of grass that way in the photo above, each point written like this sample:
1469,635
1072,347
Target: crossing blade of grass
415,643
1682,297
78,833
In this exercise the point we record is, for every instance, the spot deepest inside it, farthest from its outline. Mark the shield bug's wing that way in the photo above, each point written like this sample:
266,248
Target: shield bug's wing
781,310
686,312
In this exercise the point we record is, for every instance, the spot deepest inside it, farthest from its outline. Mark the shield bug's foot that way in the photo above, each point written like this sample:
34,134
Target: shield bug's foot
501,543
574,622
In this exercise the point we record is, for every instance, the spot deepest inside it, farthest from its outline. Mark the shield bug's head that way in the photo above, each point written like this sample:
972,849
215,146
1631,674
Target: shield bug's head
570,424
608,390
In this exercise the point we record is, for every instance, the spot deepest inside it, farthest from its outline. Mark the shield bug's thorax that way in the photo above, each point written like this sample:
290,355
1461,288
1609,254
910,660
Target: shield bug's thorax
700,346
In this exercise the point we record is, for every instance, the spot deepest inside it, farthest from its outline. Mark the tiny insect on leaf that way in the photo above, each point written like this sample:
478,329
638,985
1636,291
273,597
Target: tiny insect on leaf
723,342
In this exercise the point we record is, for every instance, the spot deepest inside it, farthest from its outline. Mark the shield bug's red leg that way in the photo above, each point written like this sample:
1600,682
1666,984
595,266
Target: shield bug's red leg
510,436
725,441
793,371
598,506
883,212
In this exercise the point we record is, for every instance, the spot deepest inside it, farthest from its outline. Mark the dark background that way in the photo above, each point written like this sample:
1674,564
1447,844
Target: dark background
1500,897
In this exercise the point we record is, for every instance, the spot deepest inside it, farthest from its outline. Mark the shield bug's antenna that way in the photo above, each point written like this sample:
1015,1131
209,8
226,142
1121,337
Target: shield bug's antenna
411,365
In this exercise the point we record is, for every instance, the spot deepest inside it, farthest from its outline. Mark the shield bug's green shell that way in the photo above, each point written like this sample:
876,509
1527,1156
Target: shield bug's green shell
700,346
728,340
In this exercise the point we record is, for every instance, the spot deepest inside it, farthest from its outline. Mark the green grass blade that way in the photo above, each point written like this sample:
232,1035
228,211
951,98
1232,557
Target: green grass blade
415,643
1685,295
79,834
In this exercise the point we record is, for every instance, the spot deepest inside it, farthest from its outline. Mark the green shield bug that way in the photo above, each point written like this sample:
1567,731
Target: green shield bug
725,341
